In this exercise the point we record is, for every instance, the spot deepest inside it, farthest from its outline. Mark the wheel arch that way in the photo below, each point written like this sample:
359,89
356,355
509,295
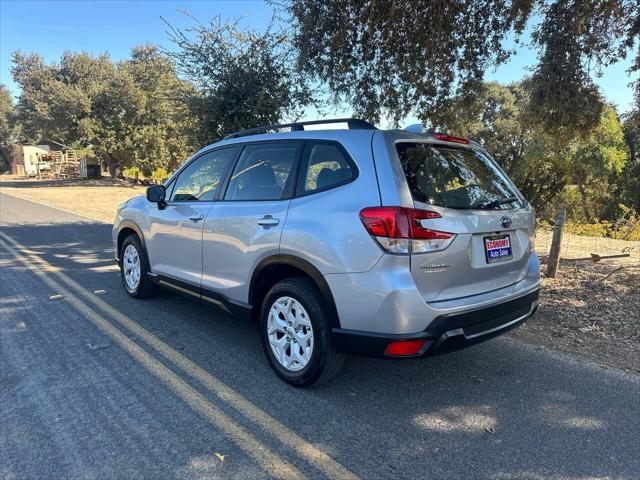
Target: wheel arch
272,269
126,228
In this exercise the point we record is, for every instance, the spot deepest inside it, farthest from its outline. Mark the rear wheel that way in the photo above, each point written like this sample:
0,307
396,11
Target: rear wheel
296,333
134,267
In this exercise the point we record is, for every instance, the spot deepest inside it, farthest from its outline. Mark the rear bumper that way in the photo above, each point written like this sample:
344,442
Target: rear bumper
447,332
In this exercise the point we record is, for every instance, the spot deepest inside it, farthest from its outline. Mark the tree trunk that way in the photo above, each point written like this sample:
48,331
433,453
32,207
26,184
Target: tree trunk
583,199
556,242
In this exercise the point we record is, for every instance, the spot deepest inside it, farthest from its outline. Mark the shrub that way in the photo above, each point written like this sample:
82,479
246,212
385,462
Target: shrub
159,175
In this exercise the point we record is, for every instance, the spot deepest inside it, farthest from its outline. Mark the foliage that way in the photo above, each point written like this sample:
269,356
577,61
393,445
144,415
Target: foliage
576,39
597,156
159,175
496,119
604,229
393,58
142,115
577,172
132,172
55,100
243,78
9,130
130,113
627,184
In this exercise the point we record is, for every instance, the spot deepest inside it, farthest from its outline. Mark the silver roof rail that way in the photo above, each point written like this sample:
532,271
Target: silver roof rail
352,124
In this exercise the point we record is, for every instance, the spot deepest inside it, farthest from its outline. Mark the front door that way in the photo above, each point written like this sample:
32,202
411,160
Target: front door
246,225
174,240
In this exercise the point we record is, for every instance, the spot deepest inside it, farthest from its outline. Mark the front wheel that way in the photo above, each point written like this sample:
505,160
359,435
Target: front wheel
296,333
134,267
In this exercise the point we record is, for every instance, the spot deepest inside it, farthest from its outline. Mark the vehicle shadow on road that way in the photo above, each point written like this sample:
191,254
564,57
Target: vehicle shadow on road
496,410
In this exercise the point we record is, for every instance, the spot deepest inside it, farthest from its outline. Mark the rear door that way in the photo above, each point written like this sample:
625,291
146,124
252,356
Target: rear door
492,222
246,225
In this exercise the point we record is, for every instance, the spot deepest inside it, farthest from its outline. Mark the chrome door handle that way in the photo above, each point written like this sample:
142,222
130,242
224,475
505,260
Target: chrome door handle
196,217
268,221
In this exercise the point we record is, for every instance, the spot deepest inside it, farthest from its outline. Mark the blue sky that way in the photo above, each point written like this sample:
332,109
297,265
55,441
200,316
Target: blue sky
51,27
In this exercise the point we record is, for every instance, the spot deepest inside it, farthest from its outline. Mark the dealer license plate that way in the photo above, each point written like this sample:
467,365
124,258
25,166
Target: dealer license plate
498,248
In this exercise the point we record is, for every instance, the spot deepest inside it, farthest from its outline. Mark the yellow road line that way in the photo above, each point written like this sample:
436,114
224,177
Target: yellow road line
266,459
302,447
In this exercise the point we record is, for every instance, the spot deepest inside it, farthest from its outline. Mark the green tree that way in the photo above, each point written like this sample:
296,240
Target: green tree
115,110
56,100
133,113
598,156
496,119
243,78
628,182
8,127
403,56
141,118
165,123
543,166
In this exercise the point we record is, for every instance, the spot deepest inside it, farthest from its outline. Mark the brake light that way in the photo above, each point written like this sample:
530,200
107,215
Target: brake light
444,137
399,229
403,348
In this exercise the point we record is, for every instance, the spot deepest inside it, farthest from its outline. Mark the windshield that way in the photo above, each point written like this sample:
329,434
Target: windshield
454,177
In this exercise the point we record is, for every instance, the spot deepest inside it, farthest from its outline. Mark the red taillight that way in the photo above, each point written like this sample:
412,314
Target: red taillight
398,229
390,222
400,222
444,137
404,347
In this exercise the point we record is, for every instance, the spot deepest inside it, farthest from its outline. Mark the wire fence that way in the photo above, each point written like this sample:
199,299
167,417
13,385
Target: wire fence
577,246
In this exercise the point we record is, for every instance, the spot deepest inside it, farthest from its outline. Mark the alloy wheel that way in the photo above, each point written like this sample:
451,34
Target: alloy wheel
290,333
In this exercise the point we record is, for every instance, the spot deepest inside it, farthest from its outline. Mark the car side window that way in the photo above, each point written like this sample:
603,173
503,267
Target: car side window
201,180
324,166
263,172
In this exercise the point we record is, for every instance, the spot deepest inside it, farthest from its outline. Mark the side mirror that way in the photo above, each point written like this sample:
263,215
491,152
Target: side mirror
156,194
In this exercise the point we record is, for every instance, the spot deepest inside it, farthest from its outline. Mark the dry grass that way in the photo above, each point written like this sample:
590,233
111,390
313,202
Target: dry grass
95,199
578,246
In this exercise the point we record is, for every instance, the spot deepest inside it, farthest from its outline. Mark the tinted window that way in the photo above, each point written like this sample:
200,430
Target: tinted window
200,181
324,166
263,172
454,177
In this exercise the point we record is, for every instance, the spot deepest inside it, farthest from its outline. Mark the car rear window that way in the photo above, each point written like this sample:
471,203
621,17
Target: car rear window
454,177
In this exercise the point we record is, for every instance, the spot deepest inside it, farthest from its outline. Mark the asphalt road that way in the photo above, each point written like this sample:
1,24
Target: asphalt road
104,386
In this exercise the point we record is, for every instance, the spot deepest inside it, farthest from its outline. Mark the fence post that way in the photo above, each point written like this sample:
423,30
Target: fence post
556,240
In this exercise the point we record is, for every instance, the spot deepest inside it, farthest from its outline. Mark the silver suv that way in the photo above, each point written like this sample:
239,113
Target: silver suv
385,243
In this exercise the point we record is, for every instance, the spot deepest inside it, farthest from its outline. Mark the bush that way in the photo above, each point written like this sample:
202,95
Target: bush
626,227
602,229
132,172
159,175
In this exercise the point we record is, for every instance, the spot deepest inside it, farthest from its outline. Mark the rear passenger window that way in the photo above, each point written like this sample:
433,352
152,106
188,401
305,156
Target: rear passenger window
263,172
324,166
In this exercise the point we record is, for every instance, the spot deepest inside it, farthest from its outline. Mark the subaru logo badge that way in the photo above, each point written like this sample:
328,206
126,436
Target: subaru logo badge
506,222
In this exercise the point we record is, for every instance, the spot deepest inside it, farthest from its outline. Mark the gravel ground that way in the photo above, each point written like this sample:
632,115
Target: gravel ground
590,310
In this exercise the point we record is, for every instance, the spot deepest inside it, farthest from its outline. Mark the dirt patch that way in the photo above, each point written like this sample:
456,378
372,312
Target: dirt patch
590,310
96,199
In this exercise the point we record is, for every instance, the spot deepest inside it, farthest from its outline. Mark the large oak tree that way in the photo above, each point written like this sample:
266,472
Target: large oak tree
394,57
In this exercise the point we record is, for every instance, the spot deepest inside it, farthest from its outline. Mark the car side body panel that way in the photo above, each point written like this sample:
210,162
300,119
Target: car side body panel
324,228
234,243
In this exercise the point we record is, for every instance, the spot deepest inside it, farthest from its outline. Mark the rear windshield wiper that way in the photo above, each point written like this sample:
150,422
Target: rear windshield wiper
497,203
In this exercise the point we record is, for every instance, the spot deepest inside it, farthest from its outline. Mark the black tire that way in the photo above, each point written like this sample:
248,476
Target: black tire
145,288
325,361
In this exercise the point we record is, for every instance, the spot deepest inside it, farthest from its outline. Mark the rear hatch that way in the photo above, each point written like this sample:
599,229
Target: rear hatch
492,223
